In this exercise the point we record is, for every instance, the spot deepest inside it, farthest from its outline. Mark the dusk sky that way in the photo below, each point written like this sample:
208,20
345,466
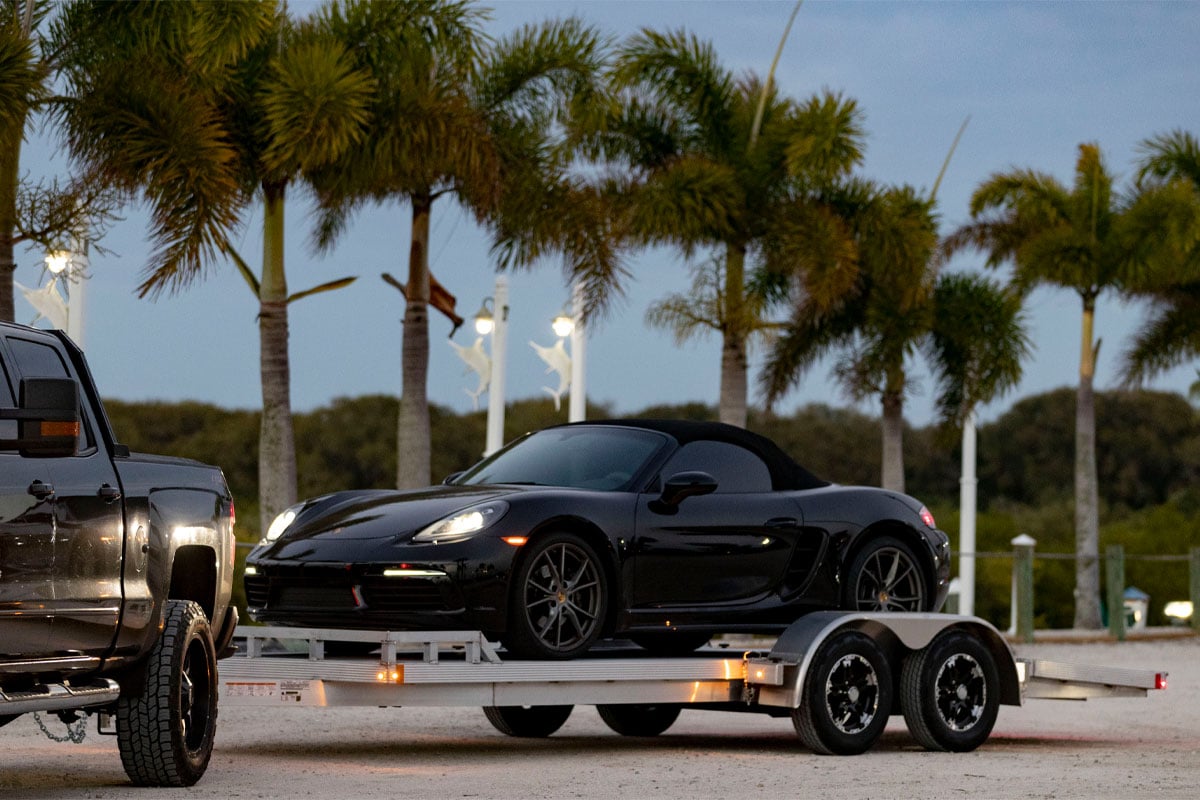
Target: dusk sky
1036,79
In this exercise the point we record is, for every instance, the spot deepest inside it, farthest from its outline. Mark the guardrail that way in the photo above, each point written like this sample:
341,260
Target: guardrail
1023,555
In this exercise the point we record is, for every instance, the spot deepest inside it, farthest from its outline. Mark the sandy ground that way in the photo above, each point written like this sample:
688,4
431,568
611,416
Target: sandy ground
1130,747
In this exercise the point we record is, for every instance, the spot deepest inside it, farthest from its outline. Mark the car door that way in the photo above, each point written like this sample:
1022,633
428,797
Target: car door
731,546
26,544
88,520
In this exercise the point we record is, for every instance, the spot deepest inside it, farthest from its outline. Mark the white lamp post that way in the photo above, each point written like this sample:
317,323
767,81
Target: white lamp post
966,520
577,408
499,331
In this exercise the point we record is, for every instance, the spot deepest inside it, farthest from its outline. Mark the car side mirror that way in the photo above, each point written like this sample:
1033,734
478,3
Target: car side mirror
48,420
683,485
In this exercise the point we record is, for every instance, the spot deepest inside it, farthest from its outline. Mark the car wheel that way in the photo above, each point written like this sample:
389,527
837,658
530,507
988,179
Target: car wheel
950,693
527,721
639,719
885,576
558,600
846,697
165,735
671,643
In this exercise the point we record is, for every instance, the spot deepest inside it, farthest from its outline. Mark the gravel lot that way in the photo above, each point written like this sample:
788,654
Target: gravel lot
1133,747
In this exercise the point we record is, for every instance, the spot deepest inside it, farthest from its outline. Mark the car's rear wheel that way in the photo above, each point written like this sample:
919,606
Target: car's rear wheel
885,576
558,600
639,719
527,721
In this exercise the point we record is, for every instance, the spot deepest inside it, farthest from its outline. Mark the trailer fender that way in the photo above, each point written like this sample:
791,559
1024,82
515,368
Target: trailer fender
897,634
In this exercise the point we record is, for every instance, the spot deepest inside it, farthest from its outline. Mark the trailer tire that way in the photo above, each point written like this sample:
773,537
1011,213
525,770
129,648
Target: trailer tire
639,719
534,722
950,693
165,735
846,697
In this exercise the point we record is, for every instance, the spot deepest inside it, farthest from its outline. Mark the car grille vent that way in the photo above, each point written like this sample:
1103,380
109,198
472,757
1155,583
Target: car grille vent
326,593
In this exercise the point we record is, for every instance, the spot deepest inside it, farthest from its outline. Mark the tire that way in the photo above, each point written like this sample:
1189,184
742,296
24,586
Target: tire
558,599
639,719
950,693
165,736
846,697
528,721
671,643
886,576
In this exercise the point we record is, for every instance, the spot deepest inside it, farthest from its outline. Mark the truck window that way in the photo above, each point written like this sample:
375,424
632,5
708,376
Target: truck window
38,360
8,427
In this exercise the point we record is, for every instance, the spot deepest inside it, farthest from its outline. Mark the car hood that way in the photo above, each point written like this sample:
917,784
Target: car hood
382,514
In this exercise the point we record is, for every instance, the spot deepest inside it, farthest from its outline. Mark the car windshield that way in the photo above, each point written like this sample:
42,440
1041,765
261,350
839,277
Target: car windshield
598,457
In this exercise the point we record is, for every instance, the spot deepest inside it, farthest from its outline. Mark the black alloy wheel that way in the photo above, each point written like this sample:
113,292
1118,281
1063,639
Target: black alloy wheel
885,576
559,599
950,693
846,697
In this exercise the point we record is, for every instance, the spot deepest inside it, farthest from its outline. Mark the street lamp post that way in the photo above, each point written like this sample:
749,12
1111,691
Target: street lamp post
577,407
499,331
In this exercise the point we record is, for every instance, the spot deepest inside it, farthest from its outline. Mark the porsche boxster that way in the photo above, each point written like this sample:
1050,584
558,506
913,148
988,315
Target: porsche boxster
663,532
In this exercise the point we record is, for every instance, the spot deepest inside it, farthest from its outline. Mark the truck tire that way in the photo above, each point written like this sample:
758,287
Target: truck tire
166,735
846,697
528,721
950,693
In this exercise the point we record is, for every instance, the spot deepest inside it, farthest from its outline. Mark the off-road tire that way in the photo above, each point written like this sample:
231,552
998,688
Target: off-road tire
165,735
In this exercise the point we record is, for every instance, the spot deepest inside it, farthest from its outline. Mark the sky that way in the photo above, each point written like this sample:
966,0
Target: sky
1036,80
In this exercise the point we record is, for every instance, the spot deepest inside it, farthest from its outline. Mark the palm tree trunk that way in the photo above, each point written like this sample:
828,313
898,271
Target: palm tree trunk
1087,500
413,436
10,159
734,365
893,441
276,444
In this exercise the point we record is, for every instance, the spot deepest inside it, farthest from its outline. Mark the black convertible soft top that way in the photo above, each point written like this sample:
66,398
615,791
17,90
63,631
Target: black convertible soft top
785,473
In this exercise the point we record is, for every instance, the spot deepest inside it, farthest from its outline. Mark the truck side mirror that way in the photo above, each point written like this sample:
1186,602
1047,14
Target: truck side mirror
48,418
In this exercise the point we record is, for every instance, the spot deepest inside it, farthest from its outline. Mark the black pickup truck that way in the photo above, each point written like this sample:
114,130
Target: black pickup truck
115,569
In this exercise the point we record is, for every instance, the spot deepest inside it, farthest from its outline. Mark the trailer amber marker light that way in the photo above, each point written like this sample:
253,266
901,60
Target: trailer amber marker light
515,541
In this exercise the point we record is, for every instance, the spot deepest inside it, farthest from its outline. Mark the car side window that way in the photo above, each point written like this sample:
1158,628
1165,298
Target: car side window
737,470
37,360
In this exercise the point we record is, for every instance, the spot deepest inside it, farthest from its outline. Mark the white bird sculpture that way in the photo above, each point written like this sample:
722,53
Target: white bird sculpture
48,302
560,362
477,361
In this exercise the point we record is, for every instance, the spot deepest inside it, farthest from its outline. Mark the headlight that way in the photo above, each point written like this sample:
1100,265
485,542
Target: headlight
464,524
280,524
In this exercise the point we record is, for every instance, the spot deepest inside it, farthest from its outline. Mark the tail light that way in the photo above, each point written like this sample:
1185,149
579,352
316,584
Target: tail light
927,517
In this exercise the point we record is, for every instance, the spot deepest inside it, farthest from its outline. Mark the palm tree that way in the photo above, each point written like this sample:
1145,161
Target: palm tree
970,330
455,117
1172,333
46,212
703,181
1091,240
233,102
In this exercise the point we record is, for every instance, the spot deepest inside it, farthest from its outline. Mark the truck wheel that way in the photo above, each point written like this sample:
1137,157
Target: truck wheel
166,735
950,693
528,721
846,697
639,719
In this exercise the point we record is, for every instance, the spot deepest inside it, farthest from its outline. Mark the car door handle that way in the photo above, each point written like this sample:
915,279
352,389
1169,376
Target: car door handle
41,490
109,494
783,522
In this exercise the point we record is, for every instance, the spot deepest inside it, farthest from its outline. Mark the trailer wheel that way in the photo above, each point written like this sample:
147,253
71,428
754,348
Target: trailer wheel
165,736
559,599
846,697
950,693
528,721
639,719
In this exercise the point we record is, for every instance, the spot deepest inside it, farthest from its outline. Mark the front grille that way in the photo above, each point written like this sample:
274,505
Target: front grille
284,590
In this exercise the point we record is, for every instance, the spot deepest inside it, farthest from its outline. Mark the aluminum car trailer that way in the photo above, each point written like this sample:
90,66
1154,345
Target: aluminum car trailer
838,675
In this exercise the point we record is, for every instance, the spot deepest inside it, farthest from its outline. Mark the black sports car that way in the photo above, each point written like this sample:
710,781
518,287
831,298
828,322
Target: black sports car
663,532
